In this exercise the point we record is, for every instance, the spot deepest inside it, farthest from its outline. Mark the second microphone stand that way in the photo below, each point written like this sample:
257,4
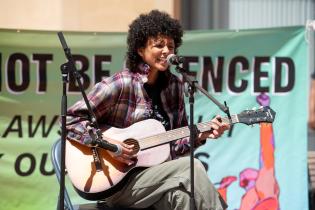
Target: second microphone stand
192,85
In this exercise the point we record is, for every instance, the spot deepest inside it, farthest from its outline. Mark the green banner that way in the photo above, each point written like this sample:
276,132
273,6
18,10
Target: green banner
233,66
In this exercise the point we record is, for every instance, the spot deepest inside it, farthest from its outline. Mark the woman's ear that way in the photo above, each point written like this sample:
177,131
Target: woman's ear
140,52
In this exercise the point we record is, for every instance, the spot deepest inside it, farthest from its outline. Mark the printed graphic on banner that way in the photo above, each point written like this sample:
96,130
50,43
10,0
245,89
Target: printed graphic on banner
261,186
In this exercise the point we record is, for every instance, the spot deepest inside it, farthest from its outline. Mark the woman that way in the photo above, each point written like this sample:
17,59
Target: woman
147,89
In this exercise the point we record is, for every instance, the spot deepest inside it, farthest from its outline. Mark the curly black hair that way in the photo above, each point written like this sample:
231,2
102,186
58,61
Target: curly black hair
153,24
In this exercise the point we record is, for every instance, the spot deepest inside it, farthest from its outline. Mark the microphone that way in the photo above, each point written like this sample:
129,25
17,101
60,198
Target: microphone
173,59
116,149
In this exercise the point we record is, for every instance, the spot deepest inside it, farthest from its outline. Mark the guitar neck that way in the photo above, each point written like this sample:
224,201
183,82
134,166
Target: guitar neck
179,133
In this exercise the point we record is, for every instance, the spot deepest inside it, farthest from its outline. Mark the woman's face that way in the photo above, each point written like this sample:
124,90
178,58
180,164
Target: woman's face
156,51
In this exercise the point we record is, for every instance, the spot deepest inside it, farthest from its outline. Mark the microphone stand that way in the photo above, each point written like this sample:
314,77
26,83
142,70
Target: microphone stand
96,134
64,73
192,85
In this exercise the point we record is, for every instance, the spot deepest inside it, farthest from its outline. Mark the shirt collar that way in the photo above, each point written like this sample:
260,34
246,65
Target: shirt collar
144,71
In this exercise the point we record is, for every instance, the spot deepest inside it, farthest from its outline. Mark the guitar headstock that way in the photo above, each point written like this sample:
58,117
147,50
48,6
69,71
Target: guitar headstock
263,114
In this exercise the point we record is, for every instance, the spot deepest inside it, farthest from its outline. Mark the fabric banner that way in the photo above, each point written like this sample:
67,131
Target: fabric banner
259,167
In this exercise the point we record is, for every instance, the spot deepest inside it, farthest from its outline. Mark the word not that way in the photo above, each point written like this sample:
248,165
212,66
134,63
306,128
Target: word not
18,71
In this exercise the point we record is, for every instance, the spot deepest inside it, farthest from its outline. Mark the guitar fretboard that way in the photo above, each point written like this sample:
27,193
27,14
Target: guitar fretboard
172,135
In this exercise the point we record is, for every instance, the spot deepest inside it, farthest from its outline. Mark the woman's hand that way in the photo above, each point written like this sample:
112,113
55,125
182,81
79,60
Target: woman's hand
126,153
217,129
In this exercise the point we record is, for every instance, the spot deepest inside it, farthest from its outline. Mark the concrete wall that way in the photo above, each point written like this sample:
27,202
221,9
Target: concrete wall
78,15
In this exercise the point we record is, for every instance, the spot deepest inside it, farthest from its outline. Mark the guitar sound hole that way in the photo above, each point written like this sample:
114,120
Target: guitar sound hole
133,142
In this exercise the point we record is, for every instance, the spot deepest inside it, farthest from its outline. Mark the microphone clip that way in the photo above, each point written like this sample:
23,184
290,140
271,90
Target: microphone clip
173,59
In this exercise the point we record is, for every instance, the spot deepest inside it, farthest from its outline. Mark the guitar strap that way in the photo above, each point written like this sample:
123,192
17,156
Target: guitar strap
96,158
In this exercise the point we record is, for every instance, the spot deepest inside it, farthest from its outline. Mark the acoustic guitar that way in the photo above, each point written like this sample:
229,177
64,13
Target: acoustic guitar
151,144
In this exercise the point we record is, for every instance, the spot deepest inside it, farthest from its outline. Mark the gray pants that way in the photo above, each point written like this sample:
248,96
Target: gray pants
166,186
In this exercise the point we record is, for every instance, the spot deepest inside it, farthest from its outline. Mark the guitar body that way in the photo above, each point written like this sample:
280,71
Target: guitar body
82,170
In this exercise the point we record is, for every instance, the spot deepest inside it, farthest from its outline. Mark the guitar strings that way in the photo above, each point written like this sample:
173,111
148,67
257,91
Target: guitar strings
168,136
178,133
171,135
